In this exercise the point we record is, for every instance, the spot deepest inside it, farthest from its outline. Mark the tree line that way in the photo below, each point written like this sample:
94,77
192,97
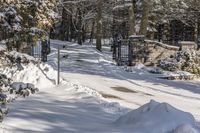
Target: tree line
24,22
80,20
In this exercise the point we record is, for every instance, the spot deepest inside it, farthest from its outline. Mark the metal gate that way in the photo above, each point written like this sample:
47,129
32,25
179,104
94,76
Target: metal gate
41,50
125,51
122,52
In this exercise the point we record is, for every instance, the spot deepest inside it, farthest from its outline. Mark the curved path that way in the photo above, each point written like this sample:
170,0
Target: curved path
67,109
93,69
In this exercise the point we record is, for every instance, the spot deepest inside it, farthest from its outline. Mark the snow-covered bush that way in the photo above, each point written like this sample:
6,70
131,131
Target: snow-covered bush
4,81
22,89
16,57
9,91
182,61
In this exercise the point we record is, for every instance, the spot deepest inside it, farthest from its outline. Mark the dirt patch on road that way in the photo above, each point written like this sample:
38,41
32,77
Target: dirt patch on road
148,94
123,89
110,96
127,90
79,60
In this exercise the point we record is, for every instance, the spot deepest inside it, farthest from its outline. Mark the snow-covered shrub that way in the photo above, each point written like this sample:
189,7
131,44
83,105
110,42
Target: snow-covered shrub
9,91
16,57
4,81
182,61
22,89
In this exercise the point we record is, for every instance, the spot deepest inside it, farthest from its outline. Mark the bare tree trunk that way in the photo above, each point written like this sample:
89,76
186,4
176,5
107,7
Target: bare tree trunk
145,14
92,32
131,20
79,26
63,25
196,23
196,26
67,28
83,34
99,25
72,29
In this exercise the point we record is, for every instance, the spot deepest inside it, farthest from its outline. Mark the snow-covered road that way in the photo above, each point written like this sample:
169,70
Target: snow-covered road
73,107
90,68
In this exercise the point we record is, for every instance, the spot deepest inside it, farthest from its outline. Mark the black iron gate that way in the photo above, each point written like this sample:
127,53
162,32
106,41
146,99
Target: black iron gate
122,52
41,50
125,51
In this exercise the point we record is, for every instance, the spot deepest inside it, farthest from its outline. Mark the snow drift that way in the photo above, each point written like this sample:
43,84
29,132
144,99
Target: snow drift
41,75
155,117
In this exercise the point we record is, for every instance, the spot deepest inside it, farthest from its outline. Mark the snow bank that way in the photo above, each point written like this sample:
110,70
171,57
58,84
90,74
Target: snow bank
139,66
76,87
113,108
83,92
27,69
41,75
178,73
155,117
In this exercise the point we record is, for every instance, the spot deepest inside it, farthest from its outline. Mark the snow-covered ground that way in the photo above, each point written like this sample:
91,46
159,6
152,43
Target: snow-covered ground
95,70
89,80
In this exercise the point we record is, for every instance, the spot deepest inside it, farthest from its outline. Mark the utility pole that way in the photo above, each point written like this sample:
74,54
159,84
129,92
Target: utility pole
58,76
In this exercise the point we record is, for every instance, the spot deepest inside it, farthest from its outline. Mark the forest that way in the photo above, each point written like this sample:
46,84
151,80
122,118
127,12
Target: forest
24,22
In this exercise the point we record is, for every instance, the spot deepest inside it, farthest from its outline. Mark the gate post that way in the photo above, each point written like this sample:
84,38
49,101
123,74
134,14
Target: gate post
119,63
44,50
49,46
114,49
32,49
136,42
130,53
